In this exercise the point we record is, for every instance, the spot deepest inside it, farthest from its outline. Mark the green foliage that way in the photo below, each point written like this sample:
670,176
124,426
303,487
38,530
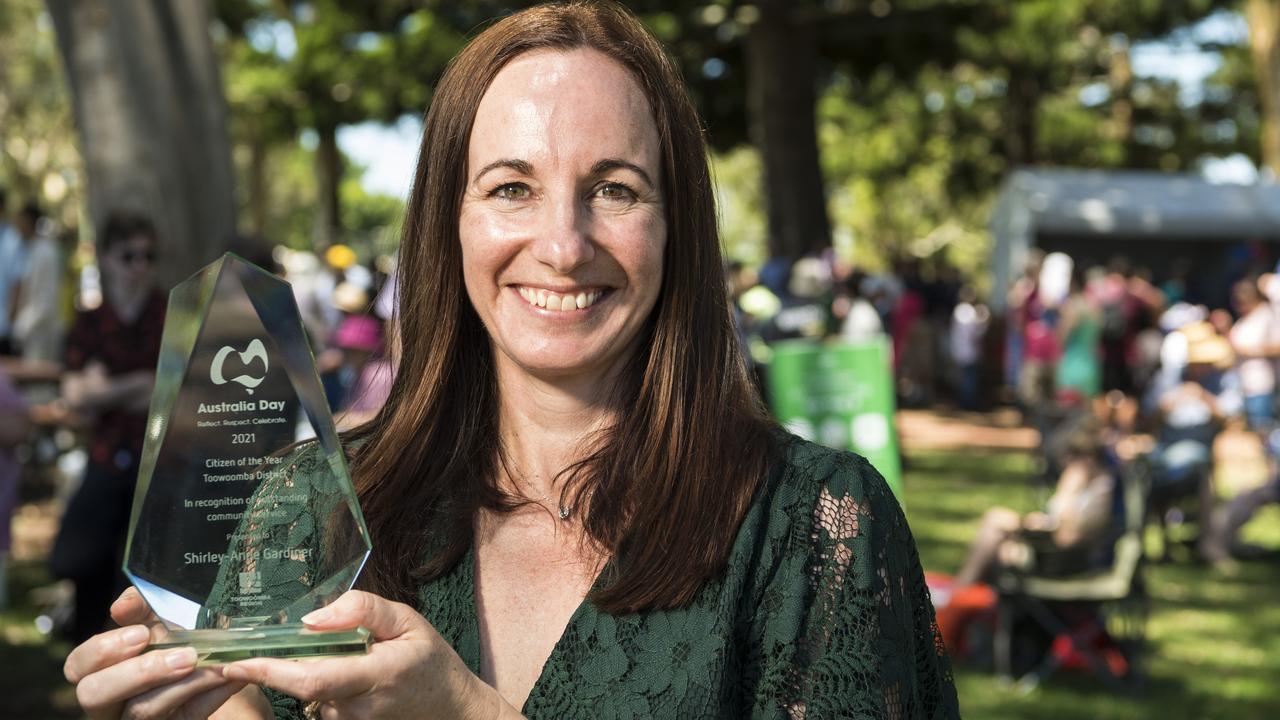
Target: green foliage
372,219
296,67
38,156
743,224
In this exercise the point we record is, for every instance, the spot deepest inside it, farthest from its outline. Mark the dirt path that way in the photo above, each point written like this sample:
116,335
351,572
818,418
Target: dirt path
1237,452
943,430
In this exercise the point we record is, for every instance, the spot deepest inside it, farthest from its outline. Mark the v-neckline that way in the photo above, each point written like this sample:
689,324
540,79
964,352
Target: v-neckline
584,609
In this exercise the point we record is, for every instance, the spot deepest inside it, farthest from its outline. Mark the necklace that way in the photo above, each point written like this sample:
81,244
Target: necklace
562,511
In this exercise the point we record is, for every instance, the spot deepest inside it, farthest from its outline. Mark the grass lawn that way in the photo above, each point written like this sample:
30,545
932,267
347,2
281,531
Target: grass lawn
1214,641
31,684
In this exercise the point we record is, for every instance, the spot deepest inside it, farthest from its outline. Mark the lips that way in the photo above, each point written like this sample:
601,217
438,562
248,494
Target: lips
560,301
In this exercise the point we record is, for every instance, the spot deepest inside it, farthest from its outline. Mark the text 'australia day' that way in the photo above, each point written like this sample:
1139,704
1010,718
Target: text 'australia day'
241,406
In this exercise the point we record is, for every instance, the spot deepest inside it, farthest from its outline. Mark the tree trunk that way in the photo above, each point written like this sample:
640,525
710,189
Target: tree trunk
152,121
781,66
1022,102
259,191
1263,17
1120,81
329,176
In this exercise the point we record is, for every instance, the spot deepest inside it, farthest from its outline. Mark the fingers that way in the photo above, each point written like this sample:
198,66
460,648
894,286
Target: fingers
383,618
331,679
114,684
207,703
103,650
203,688
130,608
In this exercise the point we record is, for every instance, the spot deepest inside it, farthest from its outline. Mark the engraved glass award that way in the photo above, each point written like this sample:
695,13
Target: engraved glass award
244,515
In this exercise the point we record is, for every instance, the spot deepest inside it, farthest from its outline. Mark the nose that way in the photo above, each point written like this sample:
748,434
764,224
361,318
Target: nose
563,241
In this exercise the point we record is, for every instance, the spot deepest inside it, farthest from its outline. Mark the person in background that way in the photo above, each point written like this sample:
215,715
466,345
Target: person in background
1253,335
360,338
12,262
1079,374
912,338
1256,340
1191,413
968,325
1074,518
861,320
111,355
1023,307
14,427
37,324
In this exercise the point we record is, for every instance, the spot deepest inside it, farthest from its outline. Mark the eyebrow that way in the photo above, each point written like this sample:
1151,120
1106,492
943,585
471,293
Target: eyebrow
604,166
520,166
600,167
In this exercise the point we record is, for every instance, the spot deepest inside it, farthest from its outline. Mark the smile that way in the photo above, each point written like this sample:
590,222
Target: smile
559,302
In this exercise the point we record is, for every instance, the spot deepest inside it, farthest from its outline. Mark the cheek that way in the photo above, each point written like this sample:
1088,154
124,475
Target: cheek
645,258
483,252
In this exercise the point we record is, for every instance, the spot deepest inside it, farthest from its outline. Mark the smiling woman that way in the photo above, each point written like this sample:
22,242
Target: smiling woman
578,505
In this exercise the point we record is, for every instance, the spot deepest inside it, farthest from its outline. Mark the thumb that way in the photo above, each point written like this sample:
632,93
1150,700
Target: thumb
383,618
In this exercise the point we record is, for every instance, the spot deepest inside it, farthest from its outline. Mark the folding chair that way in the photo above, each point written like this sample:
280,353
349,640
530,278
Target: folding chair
1113,596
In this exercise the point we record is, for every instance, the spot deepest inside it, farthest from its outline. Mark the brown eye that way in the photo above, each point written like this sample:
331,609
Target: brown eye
616,191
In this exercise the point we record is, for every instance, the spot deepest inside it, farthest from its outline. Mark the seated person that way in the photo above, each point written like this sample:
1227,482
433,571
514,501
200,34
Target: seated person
1191,415
1075,517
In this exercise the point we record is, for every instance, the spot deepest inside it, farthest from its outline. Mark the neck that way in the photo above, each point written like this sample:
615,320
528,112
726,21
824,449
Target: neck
126,299
547,424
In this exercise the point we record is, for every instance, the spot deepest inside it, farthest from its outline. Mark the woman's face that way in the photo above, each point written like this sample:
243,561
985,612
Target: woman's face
562,222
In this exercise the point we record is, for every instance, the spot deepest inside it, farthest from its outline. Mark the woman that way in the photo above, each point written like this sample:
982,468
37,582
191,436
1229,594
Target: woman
1074,520
1251,337
1079,374
572,481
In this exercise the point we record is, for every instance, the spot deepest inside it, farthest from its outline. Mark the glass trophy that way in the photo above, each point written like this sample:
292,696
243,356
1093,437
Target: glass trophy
244,515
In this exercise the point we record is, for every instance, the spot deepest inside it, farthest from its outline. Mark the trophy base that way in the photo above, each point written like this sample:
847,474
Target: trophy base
291,642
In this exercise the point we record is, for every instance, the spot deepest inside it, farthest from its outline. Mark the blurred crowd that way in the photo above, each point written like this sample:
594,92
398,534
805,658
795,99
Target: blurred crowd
1113,364
1161,370
80,335
928,312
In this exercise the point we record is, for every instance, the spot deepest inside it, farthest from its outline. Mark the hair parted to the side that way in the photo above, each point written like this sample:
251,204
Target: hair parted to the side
669,483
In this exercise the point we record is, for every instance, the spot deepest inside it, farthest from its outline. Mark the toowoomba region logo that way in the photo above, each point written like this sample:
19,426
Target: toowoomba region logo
254,351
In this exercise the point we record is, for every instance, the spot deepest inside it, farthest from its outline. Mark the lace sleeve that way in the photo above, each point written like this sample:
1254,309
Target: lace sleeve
856,637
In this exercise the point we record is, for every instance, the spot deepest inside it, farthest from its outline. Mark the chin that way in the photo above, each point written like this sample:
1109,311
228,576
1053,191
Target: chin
565,363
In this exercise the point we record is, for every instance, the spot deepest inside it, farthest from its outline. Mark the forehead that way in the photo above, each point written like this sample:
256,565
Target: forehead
554,105
133,242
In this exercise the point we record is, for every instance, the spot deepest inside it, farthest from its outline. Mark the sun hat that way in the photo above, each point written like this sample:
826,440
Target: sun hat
359,332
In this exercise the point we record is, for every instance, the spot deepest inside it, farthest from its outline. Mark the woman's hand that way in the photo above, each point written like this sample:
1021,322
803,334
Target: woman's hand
114,678
409,672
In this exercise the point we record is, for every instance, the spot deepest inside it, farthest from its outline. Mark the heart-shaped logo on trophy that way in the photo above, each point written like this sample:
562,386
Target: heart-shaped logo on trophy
255,351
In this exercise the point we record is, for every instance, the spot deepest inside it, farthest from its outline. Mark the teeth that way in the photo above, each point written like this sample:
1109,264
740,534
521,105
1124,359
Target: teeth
554,301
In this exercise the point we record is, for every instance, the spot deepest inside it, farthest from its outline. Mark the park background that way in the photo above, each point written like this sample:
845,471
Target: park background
880,128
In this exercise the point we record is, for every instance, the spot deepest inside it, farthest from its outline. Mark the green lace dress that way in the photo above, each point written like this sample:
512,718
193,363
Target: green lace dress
822,613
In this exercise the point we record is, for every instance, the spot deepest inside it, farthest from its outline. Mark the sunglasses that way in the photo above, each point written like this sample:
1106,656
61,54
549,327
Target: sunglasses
129,256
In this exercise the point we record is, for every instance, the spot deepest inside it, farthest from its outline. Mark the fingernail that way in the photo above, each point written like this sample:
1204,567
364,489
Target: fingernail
315,617
234,672
180,658
135,635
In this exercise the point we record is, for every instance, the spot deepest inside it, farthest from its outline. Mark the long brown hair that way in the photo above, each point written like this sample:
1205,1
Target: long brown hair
669,483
